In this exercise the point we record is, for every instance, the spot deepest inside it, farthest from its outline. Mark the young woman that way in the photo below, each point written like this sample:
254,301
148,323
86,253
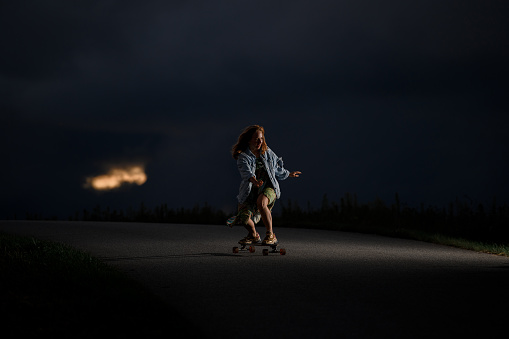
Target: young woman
260,170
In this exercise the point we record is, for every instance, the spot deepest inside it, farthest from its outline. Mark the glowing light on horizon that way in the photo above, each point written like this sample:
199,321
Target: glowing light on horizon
116,177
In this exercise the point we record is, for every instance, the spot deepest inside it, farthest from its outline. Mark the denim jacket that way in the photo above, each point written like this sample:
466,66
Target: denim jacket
246,162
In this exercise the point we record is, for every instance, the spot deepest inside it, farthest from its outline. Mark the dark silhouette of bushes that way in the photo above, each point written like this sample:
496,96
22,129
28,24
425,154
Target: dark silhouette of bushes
460,218
464,219
160,214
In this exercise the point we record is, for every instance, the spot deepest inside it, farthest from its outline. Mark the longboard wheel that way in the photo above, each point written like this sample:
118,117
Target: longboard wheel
251,249
282,251
235,250
265,251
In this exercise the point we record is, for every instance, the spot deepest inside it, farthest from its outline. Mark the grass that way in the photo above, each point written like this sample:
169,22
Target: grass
478,246
436,238
52,289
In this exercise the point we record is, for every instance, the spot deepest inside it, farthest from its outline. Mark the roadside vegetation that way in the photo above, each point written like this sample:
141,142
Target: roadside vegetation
53,290
461,223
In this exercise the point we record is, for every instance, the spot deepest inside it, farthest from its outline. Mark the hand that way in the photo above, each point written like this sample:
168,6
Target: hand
295,174
257,183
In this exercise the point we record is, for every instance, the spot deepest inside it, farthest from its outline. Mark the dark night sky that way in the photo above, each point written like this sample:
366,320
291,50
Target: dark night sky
368,97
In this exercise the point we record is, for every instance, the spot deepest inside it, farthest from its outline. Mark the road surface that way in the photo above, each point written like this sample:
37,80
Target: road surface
329,284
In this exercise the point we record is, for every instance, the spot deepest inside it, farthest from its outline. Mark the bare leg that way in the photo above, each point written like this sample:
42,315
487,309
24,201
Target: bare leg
263,202
250,227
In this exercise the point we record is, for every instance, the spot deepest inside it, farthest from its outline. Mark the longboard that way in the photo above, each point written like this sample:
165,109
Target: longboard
251,248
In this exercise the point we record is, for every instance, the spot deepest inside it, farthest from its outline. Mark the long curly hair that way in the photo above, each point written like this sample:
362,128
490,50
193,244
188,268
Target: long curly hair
244,138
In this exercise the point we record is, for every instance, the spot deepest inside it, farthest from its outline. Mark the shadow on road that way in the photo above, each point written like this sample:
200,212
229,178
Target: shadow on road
172,256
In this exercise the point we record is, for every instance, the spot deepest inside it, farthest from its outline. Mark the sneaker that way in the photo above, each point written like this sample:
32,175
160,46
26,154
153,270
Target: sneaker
270,239
249,239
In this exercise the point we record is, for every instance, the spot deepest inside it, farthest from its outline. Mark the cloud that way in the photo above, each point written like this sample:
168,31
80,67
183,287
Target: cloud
117,177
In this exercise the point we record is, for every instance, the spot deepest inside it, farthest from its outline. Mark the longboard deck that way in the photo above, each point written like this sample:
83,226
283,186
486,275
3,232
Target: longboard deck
251,248
259,244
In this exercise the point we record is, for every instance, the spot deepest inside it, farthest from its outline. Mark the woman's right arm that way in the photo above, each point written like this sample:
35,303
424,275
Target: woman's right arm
256,182
244,168
246,172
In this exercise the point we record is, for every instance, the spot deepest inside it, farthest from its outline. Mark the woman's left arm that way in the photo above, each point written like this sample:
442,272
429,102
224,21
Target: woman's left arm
279,170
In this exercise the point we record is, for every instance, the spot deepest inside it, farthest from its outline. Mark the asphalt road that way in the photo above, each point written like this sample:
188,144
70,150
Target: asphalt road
329,284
